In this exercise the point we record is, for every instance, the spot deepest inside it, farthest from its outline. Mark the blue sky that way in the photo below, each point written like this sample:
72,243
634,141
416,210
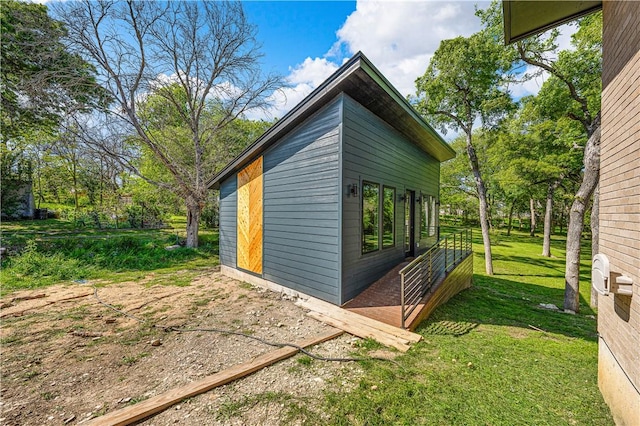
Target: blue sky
306,41
291,31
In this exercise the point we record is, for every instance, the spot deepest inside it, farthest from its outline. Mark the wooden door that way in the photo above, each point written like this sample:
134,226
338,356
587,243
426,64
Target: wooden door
249,246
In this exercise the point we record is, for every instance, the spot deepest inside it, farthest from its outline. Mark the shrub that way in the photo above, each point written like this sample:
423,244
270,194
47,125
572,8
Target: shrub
33,268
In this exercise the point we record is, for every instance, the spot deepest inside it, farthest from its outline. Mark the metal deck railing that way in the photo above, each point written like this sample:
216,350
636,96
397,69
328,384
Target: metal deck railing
427,269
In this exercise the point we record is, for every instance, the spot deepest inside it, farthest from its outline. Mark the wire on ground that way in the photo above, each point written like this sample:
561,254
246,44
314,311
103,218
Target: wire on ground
241,334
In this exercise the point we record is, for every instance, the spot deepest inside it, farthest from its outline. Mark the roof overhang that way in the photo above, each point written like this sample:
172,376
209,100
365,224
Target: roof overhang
525,18
359,79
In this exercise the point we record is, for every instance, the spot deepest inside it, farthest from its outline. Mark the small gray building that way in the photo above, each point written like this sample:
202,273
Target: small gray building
334,195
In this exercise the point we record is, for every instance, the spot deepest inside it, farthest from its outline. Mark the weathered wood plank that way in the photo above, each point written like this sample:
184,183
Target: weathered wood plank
351,317
156,404
362,330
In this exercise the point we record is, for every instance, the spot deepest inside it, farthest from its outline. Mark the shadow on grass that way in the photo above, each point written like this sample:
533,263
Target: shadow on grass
547,262
503,302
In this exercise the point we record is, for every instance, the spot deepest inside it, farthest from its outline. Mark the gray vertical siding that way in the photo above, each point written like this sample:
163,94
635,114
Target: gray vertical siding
374,151
301,207
228,215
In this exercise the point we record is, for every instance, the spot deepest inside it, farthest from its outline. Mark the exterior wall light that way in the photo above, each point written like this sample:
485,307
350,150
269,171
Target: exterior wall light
353,190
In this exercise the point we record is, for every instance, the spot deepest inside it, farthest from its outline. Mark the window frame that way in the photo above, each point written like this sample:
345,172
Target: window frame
428,216
393,217
377,224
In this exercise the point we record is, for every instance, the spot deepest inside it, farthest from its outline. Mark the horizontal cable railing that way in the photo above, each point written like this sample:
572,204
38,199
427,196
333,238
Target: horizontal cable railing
418,276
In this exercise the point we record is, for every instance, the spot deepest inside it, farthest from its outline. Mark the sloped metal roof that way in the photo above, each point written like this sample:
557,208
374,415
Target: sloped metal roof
359,79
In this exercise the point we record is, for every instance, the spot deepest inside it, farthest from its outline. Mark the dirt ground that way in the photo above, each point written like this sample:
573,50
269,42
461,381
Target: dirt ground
67,358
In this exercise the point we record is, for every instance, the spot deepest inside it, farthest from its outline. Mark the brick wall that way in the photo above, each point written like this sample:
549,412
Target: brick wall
619,316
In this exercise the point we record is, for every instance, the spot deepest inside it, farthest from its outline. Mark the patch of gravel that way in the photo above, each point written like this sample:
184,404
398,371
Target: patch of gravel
73,360
289,392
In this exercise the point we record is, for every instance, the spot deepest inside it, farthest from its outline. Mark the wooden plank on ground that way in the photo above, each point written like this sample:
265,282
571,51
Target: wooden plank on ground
337,312
362,330
156,404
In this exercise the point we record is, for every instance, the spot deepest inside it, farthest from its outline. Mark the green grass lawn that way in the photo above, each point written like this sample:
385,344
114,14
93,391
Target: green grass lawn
491,355
51,251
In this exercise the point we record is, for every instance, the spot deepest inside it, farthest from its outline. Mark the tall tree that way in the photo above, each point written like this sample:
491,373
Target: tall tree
207,49
539,149
457,188
41,79
575,78
464,83
577,72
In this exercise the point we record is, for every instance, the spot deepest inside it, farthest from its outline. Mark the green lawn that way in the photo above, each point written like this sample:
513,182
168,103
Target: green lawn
52,251
491,355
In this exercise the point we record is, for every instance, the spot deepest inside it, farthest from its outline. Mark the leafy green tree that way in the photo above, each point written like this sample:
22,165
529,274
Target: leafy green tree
457,188
537,149
42,80
157,187
206,49
575,85
464,83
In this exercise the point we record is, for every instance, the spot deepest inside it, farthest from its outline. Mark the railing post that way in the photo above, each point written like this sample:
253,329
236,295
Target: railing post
454,249
466,241
446,253
430,275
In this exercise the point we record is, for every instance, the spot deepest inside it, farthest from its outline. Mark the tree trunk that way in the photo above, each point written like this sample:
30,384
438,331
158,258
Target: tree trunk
74,178
576,221
194,209
548,216
482,196
519,222
532,214
595,236
513,204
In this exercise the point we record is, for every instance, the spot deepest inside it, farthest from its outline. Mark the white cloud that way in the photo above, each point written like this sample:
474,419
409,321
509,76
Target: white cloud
401,36
312,71
301,81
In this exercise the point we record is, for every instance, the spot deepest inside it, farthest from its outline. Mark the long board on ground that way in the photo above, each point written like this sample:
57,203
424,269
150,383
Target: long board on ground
156,404
359,325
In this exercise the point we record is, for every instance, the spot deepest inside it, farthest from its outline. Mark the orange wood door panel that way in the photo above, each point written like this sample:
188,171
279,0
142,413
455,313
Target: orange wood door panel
249,244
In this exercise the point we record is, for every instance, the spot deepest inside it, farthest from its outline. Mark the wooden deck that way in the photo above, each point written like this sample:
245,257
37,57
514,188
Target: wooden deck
381,300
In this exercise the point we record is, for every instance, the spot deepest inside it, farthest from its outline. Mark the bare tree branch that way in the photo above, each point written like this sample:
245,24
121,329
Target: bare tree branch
201,58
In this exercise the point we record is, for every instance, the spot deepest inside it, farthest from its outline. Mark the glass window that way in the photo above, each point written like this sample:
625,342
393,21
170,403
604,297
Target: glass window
370,221
424,217
429,217
388,216
408,221
434,216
